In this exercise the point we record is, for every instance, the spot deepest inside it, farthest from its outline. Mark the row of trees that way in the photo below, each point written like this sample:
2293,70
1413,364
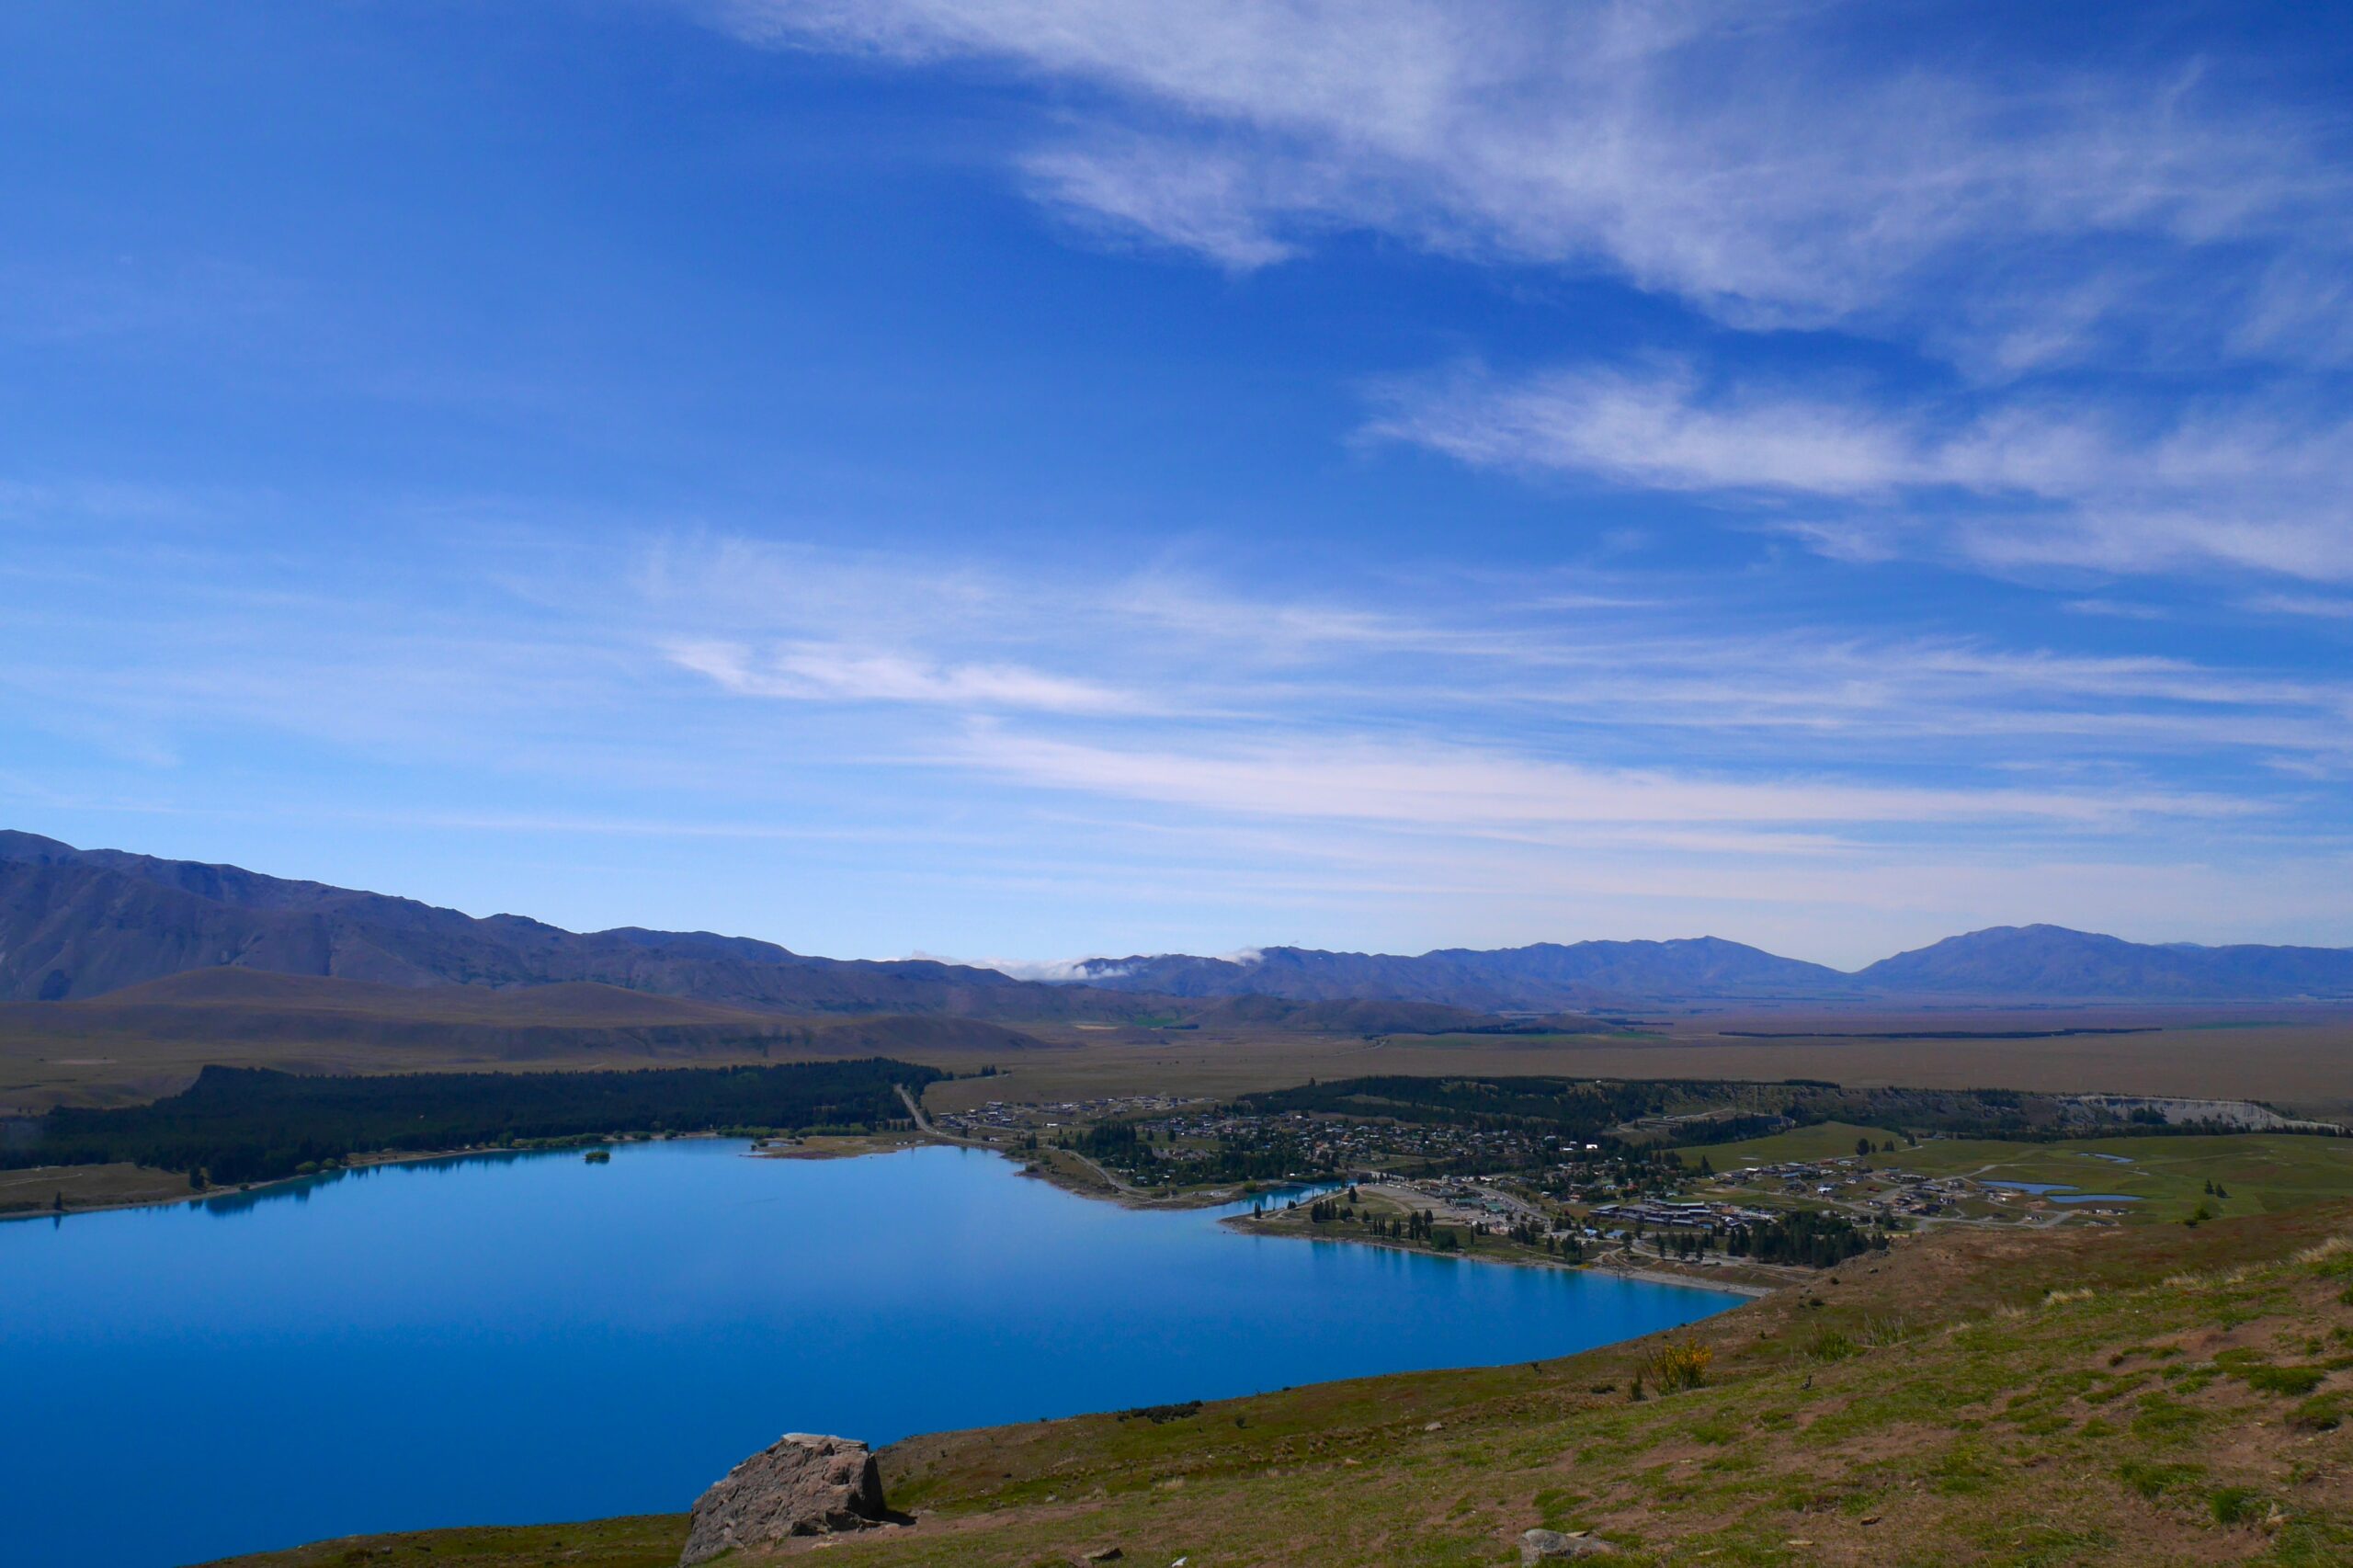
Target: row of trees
238,1124
1812,1237
1124,1147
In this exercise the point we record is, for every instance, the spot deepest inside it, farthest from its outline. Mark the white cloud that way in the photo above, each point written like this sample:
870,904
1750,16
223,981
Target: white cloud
1440,788
1759,160
1494,657
2045,483
2115,610
826,673
1789,163
1475,759
2315,604
1655,430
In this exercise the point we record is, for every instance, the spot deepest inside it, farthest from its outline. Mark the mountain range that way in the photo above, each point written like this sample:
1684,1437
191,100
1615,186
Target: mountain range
81,923
1544,977
2005,964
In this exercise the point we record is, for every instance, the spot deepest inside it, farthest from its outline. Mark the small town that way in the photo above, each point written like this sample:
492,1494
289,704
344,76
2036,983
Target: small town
1624,1198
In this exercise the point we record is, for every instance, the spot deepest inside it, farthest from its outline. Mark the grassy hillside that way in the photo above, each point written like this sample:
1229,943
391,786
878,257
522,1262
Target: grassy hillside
1824,1141
2151,1395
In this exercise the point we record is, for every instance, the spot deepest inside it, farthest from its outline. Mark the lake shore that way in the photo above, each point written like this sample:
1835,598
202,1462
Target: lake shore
1666,1273
1090,1182
64,1177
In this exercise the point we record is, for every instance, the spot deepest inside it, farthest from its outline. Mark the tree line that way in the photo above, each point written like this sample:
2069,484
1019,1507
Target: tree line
240,1124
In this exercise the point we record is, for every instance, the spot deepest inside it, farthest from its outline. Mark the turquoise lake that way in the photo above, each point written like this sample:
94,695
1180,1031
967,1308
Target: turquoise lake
519,1338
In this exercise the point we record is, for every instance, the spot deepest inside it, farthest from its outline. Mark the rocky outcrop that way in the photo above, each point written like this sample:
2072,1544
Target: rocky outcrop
1552,1546
801,1484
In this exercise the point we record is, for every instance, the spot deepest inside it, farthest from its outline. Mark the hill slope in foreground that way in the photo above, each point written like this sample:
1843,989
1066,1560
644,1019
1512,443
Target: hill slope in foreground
2147,1395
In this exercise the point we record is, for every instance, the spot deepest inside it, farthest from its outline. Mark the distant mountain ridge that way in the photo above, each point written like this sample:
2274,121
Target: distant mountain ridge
76,923
2026,963
1545,977
2053,962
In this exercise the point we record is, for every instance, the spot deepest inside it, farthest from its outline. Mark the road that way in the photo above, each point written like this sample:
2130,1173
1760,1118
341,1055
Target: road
914,1108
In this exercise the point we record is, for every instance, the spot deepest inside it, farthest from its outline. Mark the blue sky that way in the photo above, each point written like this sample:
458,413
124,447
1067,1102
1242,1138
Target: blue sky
1023,479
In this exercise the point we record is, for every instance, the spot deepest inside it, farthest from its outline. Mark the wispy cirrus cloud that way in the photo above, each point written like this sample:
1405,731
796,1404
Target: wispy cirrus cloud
1768,166
833,627
1440,788
1751,159
1499,749
2026,481
2318,606
831,672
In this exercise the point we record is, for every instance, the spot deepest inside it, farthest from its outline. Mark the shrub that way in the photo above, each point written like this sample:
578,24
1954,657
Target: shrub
2233,1505
1158,1414
1679,1364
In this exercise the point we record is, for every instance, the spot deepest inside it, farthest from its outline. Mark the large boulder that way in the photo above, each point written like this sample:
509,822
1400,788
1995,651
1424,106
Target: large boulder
801,1484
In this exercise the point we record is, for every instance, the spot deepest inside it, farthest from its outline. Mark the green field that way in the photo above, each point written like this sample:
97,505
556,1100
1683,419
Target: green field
2263,1172
1827,1141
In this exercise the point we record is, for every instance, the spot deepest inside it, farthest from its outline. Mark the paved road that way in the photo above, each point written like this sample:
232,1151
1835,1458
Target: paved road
914,1108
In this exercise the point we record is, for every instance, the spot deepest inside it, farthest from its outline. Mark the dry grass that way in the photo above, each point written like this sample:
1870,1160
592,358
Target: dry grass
36,1192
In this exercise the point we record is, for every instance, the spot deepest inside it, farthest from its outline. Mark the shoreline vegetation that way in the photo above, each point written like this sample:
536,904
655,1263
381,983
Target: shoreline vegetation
243,1124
